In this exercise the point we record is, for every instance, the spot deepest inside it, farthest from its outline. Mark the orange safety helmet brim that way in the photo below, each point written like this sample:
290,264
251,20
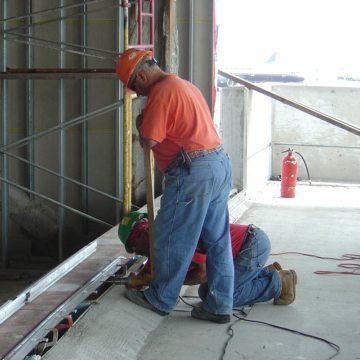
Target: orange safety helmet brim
128,61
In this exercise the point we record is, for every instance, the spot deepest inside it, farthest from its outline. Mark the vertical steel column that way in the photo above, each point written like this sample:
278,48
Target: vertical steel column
30,101
127,124
119,118
62,135
4,141
84,126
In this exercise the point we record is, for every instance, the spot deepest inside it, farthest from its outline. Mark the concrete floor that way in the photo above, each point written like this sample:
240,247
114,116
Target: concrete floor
322,221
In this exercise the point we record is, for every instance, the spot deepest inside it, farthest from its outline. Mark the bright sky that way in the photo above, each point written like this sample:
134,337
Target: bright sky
307,35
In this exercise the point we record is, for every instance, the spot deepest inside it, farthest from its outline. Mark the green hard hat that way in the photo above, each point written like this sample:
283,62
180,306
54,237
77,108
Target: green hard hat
126,226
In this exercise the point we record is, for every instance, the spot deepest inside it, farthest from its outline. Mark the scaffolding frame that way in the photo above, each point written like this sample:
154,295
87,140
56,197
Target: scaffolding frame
122,106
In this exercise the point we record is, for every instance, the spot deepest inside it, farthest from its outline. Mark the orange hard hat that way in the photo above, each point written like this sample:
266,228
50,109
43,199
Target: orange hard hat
128,61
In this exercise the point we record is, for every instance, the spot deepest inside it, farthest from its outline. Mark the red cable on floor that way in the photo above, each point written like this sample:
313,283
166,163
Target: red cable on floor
354,266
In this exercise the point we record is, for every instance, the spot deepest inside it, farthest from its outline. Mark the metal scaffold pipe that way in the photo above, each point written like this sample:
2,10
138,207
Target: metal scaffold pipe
127,128
42,168
78,14
55,202
60,46
70,123
47,11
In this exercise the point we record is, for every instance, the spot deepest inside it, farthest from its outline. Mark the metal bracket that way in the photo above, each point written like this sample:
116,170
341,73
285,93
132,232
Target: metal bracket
134,265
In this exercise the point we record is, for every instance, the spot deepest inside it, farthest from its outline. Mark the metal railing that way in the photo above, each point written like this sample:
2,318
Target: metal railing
311,111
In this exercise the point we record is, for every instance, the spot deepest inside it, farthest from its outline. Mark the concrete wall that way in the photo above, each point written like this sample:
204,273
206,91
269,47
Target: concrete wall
258,142
255,130
245,128
232,130
195,59
332,154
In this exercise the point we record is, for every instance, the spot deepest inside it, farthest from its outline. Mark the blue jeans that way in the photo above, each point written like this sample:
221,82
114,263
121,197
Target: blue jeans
194,204
253,283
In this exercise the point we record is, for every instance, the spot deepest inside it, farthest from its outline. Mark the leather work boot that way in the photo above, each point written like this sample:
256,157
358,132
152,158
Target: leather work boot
288,284
273,267
138,297
198,312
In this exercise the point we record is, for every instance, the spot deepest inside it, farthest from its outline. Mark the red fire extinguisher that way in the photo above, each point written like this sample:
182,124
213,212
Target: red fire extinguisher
289,168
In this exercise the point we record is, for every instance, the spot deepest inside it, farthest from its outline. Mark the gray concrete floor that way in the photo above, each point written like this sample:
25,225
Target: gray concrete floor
322,221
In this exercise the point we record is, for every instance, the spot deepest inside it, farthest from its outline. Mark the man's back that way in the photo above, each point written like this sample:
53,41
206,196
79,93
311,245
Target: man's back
177,116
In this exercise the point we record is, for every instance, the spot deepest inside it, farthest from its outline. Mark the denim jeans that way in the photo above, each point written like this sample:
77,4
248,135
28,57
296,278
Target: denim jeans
253,283
194,204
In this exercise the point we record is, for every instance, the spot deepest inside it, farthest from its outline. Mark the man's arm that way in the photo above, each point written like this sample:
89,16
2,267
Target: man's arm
196,276
151,143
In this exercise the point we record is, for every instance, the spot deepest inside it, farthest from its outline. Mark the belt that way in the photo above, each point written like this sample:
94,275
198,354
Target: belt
192,155
197,153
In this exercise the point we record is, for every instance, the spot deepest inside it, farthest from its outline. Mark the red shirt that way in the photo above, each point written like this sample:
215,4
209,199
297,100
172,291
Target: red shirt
237,234
177,116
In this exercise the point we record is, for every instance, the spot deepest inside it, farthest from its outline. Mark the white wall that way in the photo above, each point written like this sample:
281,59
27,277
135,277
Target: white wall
232,130
258,141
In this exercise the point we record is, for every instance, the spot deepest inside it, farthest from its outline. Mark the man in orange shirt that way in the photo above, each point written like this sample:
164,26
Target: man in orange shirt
177,125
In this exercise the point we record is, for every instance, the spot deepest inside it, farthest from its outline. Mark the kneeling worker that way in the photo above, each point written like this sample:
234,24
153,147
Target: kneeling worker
253,282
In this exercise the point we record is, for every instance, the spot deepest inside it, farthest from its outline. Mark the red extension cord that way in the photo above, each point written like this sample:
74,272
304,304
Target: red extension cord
354,266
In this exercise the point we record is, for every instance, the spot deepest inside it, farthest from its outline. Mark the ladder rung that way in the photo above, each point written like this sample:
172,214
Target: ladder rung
141,46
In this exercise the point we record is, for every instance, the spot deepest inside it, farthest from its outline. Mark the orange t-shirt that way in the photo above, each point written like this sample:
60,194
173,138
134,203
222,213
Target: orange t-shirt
176,115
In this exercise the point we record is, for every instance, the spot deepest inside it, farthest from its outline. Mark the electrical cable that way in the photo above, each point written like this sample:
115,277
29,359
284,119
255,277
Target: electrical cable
344,257
186,303
230,330
306,167
331,344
